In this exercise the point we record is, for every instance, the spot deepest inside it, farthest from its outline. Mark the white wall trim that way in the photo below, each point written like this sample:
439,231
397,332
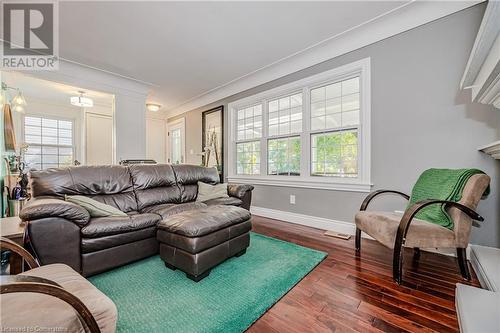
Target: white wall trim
307,220
394,22
330,224
486,37
362,183
302,182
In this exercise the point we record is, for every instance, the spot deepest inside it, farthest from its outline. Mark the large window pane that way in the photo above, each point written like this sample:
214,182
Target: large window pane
335,105
249,123
50,142
335,154
248,158
285,115
284,156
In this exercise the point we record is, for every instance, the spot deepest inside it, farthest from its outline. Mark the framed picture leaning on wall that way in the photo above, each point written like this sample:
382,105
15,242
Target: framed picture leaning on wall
212,122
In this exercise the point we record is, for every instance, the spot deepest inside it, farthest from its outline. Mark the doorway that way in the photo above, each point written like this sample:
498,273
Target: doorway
177,141
60,125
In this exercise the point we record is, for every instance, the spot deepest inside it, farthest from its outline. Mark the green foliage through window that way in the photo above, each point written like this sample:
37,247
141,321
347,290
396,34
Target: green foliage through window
335,154
248,158
284,156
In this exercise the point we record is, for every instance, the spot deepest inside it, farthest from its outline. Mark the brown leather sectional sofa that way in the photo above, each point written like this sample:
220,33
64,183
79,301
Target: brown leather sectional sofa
63,232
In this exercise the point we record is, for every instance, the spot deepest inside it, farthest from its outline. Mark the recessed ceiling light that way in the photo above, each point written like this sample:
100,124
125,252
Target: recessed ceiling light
153,107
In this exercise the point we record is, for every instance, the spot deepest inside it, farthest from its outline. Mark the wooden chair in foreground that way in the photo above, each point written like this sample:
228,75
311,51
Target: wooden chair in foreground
396,231
59,298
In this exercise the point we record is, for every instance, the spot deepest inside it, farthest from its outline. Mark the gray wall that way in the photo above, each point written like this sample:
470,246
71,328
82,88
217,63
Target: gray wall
420,120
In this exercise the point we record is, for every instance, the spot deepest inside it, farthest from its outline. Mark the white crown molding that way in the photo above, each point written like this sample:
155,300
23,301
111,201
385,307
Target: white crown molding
86,77
404,18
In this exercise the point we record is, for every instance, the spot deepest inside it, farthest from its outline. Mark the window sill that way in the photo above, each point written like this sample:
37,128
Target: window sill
309,182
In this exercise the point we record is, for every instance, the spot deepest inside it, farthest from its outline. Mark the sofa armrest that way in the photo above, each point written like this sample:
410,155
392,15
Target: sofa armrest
51,207
242,192
238,190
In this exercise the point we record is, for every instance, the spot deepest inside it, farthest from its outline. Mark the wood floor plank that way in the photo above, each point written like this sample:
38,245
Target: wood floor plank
351,292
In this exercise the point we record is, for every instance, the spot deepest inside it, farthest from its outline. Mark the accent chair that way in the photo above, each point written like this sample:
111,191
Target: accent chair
396,231
52,297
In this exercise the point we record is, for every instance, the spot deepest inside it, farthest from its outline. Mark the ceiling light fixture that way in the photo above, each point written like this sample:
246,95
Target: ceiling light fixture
82,101
153,107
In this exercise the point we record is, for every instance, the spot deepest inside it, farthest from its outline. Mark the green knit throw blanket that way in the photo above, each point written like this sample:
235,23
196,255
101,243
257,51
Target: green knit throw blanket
440,184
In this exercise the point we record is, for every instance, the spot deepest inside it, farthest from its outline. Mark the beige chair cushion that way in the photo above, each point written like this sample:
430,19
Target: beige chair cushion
383,227
30,310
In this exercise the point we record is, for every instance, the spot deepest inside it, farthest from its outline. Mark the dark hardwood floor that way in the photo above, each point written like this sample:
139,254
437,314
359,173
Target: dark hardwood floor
351,293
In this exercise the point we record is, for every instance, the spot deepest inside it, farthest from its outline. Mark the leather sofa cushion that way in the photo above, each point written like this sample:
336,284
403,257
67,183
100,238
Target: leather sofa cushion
188,177
38,310
197,244
82,180
231,201
111,185
40,208
96,244
125,201
111,225
199,222
154,185
239,190
383,227
167,210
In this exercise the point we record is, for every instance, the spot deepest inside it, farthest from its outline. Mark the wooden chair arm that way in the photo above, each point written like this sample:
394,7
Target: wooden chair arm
406,220
34,284
373,194
7,244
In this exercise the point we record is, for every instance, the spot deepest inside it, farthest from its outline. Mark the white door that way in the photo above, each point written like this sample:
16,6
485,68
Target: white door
176,141
156,140
98,139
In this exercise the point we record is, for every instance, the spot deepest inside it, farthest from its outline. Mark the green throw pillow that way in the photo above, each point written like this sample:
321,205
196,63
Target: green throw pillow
207,191
95,208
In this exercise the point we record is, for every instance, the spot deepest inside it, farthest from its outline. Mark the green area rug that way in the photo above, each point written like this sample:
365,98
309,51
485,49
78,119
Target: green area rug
152,298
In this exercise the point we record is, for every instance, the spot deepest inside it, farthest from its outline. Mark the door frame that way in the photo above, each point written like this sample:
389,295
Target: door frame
171,125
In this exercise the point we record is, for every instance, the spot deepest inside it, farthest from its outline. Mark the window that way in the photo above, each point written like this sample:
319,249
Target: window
284,156
335,115
334,154
249,128
248,155
50,142
250,123
285,115
310,133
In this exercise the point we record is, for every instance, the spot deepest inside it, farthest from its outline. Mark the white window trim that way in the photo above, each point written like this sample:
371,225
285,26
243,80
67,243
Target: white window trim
360,184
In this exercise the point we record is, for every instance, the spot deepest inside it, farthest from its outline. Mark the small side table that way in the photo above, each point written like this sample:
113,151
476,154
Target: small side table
13,229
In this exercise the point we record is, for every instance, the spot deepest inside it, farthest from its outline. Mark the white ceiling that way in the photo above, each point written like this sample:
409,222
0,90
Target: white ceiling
194,53
185,49
50,92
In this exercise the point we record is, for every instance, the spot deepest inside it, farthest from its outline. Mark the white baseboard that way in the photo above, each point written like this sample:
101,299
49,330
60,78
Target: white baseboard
307,220
328,224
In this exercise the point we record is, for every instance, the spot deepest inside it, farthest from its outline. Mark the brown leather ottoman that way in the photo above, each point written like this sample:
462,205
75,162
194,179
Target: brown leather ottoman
197,240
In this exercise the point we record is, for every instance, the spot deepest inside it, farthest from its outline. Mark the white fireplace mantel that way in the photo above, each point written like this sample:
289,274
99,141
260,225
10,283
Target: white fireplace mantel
482,73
